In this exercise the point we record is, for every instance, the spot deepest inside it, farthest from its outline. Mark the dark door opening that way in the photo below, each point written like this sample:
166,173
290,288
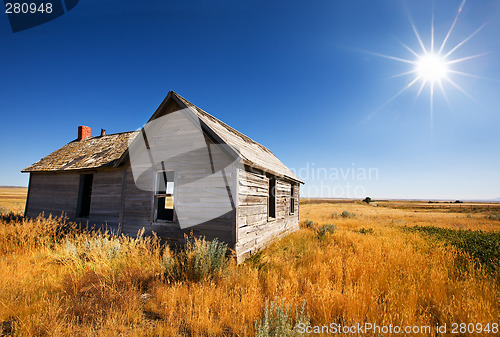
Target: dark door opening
272,198
84,195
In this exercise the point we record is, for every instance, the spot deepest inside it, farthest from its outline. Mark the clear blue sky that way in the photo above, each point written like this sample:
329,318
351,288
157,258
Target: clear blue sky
300,77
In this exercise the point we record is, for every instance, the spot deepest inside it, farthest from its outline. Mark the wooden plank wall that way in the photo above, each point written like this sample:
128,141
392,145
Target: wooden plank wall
136,206
53,193
192,197
105,202
255,230
200,190
57,192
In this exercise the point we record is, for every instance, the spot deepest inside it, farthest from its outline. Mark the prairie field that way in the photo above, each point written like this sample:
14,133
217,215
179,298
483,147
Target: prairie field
12,199
398,263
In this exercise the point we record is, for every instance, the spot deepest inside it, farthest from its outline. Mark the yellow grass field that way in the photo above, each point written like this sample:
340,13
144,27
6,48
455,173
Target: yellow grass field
368,269
13,198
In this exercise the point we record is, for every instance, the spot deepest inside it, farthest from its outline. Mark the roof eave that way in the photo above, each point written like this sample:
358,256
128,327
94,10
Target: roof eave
265,169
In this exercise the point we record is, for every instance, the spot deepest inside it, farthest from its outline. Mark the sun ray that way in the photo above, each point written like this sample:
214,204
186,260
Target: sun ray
452,26
391,57
409,85
418,37
440,83
408,48
464,41
432,30
397,94
467,58
467,74
432,103
404,74
415,31
461,89
462,73
432,65
424,82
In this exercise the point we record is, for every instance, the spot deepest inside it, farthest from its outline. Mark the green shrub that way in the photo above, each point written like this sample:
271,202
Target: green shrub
493,216
321,231
278,321
365,231
347,214
310,224
108,247
200,259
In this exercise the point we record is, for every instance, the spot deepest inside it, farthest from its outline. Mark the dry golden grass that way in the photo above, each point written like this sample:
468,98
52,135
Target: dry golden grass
13,199
85,284
366,215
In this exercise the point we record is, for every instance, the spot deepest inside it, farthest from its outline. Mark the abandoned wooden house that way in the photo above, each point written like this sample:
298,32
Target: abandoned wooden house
184,171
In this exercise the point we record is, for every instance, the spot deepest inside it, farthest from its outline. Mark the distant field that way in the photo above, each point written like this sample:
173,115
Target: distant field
438,206
12,198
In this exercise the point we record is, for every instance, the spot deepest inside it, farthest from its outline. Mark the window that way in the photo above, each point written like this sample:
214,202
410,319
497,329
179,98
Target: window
292,199
84,195
164,195
271,203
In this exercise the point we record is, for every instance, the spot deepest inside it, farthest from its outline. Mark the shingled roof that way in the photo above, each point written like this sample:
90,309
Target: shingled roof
109,150
89,153
252,153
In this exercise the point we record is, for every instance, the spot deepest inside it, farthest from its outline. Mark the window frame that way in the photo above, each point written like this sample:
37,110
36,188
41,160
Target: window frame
292,199
156,196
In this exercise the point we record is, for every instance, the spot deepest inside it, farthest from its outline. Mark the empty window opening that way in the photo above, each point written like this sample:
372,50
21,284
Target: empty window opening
292,199
164,195
272,198
84,195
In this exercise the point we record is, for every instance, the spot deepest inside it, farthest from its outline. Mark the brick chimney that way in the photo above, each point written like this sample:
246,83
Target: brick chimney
83,132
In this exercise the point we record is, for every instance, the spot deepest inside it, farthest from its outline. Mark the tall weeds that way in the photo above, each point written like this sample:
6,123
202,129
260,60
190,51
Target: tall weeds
198,260
278,320
57,281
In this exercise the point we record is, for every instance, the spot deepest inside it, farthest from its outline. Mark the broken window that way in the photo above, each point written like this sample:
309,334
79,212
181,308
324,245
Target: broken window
292,199
271,209
84,195
164,195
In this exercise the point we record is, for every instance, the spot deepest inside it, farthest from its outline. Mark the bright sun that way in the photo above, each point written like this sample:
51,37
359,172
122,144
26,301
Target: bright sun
431,67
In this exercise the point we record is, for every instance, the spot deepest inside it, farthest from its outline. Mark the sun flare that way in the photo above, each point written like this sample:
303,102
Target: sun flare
432,67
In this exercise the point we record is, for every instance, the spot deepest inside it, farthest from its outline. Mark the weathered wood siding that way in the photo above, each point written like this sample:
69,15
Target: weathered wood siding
136,206
53,193
254,228
57,193
105,202
201,197
194,199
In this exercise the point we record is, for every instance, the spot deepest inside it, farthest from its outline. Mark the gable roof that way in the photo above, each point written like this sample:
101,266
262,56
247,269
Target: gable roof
251,152
110,150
